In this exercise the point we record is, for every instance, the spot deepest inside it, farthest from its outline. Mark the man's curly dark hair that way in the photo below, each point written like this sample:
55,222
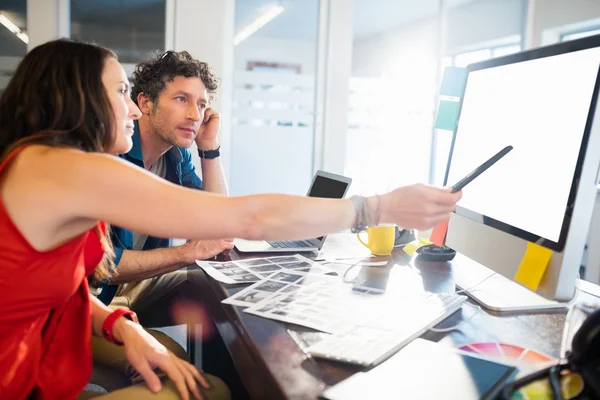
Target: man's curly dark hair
151,76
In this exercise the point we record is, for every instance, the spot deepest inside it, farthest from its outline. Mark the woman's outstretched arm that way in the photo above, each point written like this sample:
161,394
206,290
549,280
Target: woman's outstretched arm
81,186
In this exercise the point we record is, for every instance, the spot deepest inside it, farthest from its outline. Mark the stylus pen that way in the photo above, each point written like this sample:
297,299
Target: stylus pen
481,169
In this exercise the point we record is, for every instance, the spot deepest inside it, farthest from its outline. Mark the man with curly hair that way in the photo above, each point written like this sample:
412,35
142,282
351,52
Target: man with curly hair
173,91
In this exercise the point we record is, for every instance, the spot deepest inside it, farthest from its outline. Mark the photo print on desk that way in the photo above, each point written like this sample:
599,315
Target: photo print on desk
274,285
284,259
296,264
319,302
270,286
287,277
323,303
263,269
256,269
228,272
254,297
253,261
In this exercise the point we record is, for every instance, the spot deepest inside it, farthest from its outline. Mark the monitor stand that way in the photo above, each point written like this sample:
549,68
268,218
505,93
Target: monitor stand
488,258
497,293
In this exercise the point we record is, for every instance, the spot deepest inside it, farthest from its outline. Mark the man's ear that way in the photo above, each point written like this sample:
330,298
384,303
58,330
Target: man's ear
144,103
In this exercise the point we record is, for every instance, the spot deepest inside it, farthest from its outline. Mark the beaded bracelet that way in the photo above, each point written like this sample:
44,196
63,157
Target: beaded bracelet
363,214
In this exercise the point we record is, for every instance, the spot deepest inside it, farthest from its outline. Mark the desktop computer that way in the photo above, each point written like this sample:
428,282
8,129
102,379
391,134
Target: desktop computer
543,102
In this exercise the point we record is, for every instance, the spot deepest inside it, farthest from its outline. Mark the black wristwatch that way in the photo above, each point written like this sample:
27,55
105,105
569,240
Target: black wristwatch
210,154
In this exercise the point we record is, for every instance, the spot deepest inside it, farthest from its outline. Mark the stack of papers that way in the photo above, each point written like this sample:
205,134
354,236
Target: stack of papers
256,269
321,302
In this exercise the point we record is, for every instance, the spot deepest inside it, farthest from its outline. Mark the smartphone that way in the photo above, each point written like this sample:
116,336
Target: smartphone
371,280
479,170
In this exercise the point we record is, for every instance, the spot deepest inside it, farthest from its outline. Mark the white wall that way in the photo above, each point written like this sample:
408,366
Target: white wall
467,27
367,57
186,21
375,55
47,20
554,17
483,21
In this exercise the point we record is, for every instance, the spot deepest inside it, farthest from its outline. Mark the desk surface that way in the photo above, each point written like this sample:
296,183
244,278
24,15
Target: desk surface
272,365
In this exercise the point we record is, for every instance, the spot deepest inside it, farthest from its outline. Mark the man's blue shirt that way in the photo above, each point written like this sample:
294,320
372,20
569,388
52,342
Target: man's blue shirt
180,170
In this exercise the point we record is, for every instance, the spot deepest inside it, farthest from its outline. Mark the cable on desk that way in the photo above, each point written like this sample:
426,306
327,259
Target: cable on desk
348,270
477,310
451,328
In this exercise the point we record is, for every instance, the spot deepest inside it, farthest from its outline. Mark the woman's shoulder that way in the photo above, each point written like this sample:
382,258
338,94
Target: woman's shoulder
47,161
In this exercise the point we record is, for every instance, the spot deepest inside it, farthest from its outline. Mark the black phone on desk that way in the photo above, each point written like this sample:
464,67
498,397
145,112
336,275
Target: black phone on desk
481,169
371,280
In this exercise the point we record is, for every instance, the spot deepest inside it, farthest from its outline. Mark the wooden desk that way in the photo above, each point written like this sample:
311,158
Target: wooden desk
273,366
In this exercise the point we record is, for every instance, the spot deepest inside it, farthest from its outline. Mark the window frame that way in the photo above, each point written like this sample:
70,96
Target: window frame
579,33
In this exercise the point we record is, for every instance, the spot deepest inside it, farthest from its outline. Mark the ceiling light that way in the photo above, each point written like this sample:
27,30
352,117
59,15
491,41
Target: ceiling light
13,28
258,23
23,37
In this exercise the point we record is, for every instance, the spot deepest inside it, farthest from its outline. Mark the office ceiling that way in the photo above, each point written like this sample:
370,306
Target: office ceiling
298,21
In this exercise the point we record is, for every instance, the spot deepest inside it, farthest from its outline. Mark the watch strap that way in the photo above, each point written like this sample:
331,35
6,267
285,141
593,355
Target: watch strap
209,154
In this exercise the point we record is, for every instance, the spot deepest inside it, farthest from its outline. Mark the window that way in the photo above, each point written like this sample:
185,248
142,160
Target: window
13,36
506,50
274,90
462,60
443,139
132,29
578,35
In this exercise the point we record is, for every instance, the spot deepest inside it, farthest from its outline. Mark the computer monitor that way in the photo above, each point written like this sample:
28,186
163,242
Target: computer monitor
543,103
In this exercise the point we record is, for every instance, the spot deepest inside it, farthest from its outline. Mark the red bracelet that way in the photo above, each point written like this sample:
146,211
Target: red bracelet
109,322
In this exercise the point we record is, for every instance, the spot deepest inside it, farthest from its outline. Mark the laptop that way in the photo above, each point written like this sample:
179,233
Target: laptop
324,184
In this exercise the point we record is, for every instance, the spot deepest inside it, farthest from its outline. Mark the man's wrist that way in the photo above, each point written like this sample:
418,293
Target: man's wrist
182,255
207,145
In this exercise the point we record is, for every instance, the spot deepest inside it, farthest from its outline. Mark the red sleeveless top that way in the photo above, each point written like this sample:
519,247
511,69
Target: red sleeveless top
45,314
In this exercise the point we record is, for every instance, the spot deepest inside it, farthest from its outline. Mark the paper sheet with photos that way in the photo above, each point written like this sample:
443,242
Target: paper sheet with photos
256,269
321,302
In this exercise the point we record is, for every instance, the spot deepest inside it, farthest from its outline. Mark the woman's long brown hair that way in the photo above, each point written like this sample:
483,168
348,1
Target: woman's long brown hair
56,98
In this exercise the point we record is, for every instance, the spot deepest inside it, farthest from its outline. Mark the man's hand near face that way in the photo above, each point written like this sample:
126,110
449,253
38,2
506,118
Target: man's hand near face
206,140
209,130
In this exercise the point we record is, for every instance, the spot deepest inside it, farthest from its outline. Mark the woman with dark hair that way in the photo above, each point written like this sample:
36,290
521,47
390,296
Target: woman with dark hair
65,98
63,114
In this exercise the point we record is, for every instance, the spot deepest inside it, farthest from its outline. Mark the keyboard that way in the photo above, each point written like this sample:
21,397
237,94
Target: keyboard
290,244
376,340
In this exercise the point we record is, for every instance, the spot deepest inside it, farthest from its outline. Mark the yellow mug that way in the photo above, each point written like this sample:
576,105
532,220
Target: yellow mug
380,239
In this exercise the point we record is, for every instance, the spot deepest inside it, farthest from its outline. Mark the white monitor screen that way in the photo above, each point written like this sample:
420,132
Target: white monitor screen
540,107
